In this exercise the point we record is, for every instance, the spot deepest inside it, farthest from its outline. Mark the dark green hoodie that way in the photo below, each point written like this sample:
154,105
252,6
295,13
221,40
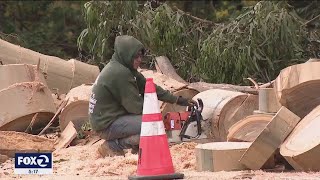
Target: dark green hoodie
119,89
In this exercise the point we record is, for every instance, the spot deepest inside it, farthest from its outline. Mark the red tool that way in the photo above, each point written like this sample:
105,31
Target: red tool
181,120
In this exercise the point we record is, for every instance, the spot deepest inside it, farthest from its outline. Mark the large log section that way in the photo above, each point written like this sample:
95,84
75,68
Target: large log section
224,108
249,128
301,149
297,87
270,139
62,75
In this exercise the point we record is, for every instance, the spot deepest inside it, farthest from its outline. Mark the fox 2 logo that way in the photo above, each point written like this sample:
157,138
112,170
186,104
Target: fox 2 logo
33,163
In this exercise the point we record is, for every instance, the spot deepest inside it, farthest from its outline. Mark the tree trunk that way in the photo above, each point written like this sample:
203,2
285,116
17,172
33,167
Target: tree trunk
268,101
224,108
60,74
203,86
297,87
77,107
270,139
301,149
249,128
164,66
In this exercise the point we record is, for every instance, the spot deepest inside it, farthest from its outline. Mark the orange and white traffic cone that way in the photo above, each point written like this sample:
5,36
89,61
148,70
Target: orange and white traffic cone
155,160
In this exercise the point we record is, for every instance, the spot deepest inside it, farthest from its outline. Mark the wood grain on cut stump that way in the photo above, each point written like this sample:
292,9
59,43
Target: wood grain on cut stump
297,87
301,149
249,128
270,139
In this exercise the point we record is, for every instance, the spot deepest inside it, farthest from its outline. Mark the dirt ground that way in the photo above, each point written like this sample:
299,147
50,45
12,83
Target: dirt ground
83,162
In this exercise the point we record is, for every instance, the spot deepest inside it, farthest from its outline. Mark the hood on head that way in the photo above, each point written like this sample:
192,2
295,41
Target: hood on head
125,48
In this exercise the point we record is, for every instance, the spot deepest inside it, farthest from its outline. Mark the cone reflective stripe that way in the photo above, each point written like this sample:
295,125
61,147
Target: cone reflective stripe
155,160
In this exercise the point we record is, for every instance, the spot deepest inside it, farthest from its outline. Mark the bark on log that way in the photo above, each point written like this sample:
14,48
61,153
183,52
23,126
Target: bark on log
249,128
77,107
21,101
203,86
297,87
224,108
18,142
61,74
301,149
270,139
164,66
268,101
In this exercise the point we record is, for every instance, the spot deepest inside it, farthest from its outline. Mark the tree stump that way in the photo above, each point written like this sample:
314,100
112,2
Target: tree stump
249,128
77,107
224,108
301,149
297,87
270,139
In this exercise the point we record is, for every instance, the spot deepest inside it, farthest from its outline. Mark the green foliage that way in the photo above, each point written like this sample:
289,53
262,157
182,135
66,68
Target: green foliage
49,27
258,44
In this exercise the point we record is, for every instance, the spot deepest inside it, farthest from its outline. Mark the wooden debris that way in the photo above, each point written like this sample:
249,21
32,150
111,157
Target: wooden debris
62,105
19,142
68,134
76,110
21,101
297,87
59,73
268,101
301,149
270,139
164,66
249,128
3,158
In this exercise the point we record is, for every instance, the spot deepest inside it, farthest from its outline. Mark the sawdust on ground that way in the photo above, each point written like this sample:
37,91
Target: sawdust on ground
83,162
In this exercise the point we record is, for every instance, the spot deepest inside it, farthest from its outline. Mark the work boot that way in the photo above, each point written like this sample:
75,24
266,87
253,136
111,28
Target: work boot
104,150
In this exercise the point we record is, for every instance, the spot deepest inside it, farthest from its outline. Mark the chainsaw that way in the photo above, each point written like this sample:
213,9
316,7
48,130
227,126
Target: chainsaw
180,121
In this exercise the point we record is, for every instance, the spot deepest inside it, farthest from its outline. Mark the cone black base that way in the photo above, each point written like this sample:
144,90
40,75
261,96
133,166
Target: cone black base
159,177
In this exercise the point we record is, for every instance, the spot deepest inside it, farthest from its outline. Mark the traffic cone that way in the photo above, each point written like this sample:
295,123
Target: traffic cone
155,160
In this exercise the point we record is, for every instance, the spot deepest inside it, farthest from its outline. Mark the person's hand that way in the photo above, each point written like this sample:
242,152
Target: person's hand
186,102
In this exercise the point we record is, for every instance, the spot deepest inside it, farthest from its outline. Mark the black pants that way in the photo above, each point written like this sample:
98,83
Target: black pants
124,133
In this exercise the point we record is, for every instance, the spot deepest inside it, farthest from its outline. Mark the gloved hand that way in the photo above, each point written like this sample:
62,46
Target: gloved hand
186,102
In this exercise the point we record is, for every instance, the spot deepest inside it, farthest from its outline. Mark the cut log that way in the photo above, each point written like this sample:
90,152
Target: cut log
18,142
297,87
21,101
301,149
270,139
268,101
220,156
61,74
77,107
164,66
223,156
203,86
19,73
248,129
224,108
260,112
68,134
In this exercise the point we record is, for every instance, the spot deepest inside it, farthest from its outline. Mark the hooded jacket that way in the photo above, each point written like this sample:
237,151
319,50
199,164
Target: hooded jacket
119,88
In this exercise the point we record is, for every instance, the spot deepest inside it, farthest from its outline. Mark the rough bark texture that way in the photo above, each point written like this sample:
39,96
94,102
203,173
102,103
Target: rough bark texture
297,87
60,74
18,142
301,149
249,128
270,139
